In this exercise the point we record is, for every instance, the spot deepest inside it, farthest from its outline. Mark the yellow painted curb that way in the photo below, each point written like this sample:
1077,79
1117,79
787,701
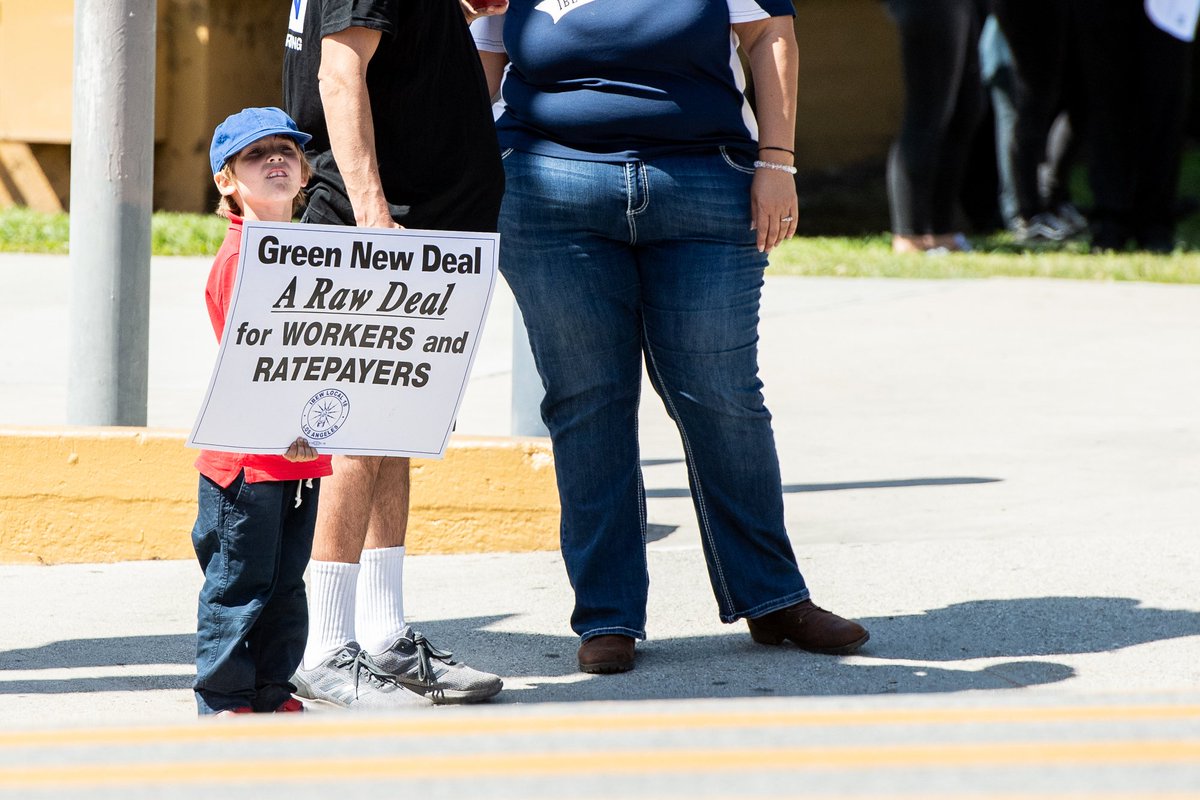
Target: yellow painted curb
91,495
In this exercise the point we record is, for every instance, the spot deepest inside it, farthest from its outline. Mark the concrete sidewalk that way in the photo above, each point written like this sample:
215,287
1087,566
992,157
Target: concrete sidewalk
999,477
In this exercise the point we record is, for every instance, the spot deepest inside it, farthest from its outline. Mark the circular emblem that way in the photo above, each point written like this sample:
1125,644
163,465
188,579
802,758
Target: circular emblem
324,413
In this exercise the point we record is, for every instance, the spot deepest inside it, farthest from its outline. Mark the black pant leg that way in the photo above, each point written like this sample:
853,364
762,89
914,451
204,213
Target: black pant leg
1037,36
933,39
1162,95
1109,74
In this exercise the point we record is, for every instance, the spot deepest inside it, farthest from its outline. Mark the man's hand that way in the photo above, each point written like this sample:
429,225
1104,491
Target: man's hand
482,8
300,450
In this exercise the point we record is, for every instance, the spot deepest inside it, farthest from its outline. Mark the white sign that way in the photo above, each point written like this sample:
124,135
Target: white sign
358,339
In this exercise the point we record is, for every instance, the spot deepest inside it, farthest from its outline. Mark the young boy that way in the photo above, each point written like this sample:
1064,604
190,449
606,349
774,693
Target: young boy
254,528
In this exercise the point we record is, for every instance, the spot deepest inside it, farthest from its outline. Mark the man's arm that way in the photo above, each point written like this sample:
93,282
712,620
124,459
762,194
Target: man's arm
343,85
493,68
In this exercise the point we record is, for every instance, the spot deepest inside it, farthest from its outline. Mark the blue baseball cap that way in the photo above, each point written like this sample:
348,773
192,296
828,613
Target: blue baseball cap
247,126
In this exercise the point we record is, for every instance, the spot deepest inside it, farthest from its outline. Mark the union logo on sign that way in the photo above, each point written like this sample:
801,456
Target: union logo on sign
324,413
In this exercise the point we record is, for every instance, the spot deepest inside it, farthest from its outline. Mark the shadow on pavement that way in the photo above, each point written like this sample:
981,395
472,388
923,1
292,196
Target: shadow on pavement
656,532
731,665
1028,626
124,683
541,667
117,651
172,648
898,483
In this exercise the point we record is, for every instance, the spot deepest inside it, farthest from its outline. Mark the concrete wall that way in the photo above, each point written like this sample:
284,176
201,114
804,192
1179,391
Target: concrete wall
92,495
35,103
217,56
214,57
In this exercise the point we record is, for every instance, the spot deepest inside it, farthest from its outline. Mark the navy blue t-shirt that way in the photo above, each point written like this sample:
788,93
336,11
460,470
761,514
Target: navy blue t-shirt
623,79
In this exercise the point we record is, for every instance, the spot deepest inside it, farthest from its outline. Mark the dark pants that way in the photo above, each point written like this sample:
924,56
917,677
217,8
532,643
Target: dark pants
253,544
1137,81
1039,37
939,44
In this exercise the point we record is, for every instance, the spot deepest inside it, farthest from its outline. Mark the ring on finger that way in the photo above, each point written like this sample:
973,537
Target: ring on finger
788,218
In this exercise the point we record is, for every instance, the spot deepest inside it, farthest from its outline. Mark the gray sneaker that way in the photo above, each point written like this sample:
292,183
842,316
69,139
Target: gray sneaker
1072,218
420,667
1043,227
352,679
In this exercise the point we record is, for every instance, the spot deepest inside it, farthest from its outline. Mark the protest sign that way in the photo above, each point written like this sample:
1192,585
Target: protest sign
360,340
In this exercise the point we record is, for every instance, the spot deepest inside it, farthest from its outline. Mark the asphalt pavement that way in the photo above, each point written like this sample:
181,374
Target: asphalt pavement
1000,478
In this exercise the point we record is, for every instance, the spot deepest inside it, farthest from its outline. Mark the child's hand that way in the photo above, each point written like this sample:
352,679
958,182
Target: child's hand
301,450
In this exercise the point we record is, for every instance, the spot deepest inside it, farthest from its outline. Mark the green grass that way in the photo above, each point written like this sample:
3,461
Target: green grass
173,234
995,256
27,231
841,215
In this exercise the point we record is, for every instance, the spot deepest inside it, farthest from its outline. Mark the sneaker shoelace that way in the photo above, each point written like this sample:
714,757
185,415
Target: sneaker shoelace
358,663
425,652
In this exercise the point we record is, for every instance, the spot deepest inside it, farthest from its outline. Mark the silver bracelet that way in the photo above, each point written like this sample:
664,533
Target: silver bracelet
790,170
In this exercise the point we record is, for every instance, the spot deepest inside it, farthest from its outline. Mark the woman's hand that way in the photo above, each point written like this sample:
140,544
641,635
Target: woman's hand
770,47
300,451
773,207
482,8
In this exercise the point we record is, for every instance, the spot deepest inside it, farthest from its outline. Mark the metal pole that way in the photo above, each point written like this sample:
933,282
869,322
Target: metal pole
527,392
112,171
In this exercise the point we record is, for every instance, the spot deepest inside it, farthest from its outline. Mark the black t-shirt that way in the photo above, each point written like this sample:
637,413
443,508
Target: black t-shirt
435,142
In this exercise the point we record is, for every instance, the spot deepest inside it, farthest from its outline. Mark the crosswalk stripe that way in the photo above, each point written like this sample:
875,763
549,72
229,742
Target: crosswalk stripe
643,761
349,726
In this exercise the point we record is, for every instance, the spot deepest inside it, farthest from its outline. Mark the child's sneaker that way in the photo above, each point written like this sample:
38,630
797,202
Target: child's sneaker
290,706
229,712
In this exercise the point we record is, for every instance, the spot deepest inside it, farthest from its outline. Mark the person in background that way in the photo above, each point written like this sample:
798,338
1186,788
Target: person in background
1136,65
1027,52
643,196
254,524
943,104
395,98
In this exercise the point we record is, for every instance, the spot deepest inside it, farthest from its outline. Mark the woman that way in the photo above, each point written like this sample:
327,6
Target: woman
943,103
641,200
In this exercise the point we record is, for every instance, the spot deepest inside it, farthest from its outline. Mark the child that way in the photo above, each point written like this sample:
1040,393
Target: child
254,528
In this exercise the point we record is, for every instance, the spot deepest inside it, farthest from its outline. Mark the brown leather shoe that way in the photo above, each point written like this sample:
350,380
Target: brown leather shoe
606,653
810,628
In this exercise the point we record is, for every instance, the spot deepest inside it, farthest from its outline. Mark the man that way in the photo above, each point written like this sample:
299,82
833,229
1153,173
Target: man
394,96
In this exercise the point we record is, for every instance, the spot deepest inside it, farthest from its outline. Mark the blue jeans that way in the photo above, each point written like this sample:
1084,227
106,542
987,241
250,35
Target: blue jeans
253,544
611,263
999,78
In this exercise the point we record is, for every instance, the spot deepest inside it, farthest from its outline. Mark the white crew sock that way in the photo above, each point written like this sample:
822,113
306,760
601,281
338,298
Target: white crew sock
331,592
379,620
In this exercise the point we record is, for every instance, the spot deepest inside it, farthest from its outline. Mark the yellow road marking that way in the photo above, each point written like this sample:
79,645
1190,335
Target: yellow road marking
606,762
426,726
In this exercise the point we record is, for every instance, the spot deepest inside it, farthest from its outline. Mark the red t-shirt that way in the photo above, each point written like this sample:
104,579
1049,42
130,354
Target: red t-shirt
220,467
